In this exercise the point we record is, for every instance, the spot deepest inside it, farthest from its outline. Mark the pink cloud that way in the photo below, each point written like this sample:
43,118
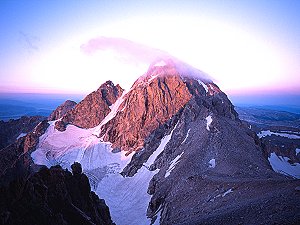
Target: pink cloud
126,50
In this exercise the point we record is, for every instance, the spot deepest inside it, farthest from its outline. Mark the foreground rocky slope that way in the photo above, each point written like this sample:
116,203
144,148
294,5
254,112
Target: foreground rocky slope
172,150
52,196
49,196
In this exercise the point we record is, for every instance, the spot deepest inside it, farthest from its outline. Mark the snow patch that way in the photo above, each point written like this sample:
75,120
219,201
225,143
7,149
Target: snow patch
281,165
208,122
186,137
157,221
160,63
203,85
153,77
164,141
266,133
173,164
114,110
227,192
21,135
212,163
297,150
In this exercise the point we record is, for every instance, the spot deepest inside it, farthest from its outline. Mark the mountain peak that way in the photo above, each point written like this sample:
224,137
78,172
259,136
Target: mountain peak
170,66
157,96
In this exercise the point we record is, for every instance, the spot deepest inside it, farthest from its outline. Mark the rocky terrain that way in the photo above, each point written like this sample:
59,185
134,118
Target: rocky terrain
15,158
153,99
94,107
61,110
171,150
279,131
52,196
11,130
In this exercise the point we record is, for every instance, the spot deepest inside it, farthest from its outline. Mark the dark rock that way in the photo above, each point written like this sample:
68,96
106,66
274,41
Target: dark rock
15,158
60,126
52,196
10,130
76,168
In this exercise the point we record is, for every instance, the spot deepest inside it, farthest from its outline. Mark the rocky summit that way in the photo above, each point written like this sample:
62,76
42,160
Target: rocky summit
155,98
61,110
94,107
170,150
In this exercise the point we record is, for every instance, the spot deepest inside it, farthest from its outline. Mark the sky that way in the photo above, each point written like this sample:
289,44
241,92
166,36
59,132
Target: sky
73,46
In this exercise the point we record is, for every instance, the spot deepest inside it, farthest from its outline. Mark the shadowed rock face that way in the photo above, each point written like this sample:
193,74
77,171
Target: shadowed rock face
10,130
153,99
52,196
15,158
94,107
61,110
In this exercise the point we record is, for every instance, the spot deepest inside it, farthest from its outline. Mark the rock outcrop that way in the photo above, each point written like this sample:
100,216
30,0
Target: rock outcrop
52,197
61,110
12,129
94,107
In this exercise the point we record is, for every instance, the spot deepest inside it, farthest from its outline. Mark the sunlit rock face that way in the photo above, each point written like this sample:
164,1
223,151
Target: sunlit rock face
94,107
153,99
61,110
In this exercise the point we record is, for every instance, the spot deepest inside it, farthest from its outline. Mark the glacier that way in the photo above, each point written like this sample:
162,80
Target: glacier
123,195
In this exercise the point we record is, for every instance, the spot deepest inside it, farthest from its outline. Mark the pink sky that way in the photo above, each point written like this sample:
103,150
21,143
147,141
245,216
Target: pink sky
245,46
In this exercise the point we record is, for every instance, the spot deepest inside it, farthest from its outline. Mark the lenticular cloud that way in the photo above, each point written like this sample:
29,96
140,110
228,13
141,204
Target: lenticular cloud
127,50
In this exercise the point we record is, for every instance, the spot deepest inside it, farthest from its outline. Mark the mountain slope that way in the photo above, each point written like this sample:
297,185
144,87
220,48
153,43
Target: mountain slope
53,196
11,130
94,107
172,149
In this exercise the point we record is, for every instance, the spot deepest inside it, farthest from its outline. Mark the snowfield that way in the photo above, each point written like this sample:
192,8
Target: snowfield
281,164
124,196
265,133
186,137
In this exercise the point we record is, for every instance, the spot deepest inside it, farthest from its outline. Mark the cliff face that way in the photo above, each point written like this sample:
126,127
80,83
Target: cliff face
94,107
61,110
153,99
53,196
